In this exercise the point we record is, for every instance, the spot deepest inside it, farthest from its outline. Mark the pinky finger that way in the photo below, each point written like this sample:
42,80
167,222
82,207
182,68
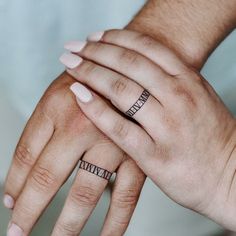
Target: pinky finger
128,185
130,137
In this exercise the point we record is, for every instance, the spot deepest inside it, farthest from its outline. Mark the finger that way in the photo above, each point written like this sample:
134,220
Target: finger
127,62
145,45
128,185
125,133
86,190
51,170
125,94
36,135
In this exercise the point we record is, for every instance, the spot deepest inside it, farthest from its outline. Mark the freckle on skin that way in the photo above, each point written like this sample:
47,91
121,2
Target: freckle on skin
23,153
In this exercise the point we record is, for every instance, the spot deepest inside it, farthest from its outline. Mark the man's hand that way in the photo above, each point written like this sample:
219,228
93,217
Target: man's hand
55,138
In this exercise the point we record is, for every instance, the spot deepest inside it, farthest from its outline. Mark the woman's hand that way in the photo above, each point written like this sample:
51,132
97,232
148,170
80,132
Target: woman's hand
181,134
55,138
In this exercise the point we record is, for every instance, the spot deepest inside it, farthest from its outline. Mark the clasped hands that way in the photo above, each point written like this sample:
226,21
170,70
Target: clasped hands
162,119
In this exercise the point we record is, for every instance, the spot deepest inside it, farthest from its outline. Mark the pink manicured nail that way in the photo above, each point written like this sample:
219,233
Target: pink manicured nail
95,37
8,201
14,230
75,46
81,92
70,60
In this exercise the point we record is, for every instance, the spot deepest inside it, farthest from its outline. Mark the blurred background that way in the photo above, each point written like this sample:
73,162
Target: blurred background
32,38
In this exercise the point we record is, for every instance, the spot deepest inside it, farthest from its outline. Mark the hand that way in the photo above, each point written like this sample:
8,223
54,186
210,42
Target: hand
55,138
183,137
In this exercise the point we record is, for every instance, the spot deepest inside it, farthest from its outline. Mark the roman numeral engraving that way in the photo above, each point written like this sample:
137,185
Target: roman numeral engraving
138,104
105,174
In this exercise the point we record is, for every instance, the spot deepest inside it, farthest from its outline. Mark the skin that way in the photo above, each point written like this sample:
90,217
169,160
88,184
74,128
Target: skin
184,137
34,178
64,133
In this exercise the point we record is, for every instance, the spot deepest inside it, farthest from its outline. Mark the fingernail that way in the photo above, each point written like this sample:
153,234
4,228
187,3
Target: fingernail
95,37
81,92
8,201
14,230
75,46
70,60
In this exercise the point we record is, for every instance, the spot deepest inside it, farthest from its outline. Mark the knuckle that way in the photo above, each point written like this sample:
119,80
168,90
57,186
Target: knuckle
186,95
84,195
23,211
66,228
145,40
119,86
53,96
118,223
129,57
125,198
111,34
23,156
43,178
92,48
99,109
171,123
120,129
150,150
87,69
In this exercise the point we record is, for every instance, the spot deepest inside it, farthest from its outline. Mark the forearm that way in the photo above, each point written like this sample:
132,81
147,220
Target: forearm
193,29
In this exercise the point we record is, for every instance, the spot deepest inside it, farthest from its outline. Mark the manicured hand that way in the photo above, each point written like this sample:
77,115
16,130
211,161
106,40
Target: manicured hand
180,133
55,138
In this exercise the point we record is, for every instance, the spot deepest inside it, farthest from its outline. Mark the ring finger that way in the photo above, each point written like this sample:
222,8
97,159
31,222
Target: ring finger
90,182
125,94
127,62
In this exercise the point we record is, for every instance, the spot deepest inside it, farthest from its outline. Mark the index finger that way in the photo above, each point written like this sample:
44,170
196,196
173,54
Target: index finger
35,136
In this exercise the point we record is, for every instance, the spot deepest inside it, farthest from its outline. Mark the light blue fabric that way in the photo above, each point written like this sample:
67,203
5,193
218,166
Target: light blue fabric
31,41
33,34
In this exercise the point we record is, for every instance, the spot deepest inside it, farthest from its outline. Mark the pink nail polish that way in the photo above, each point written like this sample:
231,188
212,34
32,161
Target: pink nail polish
81,92
8,201
70,60
14,230
75,46
95,37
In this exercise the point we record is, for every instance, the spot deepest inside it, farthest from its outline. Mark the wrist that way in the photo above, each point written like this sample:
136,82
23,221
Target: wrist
191,29
189,52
